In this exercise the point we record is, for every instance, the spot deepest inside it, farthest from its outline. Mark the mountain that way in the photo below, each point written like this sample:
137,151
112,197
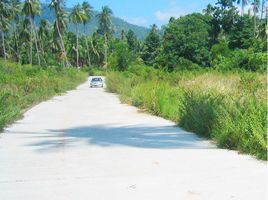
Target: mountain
119,24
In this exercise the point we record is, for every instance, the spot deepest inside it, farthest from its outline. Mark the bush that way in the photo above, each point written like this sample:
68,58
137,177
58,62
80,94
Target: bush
242,59
249,60
220,49
122,57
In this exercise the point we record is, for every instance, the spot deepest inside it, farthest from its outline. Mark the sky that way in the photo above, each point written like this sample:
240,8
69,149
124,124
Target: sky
147,12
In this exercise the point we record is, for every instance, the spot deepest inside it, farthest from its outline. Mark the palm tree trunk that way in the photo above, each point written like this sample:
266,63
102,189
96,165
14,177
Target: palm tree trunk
88,56
31,46
41,46
16,42
62,44
77,51
4,46
105,51
94,49
36,45
255,17
262,8
243,8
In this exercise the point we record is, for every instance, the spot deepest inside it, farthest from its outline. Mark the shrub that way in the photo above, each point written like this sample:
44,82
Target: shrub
249,60
122,57
242,59
220,49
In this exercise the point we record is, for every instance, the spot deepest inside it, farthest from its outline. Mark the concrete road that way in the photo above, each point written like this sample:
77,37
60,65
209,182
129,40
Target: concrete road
87,145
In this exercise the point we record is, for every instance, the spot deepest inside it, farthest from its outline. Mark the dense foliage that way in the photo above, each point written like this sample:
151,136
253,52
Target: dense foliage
23,86
189,42
230,108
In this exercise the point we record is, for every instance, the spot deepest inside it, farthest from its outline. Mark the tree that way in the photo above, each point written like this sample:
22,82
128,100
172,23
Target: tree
132,40
4,23
96,44
263,3
123,35
60,26
187,38
44,36
152,44
24,40
77,17
31,8
241,34
243,4
105,28
221,19
15,4
256,5
87,8
122,57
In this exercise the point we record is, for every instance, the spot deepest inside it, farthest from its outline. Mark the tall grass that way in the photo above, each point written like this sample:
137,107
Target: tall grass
230,108
23,86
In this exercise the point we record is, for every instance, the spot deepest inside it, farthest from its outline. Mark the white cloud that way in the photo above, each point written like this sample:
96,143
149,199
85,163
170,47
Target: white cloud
140,21
172,11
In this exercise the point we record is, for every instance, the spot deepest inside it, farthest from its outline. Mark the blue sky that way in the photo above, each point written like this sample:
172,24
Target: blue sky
147,12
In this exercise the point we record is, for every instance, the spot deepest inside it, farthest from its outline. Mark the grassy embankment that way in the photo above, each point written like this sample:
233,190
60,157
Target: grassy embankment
228,107
24,86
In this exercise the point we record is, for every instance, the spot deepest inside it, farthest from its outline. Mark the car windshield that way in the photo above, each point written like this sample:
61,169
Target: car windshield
96,79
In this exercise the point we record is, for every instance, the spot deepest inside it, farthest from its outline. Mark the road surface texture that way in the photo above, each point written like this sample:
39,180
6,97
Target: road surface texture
87,145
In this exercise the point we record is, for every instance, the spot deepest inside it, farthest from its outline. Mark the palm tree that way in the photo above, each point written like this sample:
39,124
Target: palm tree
43,34
77,17
4,23
15,4
60,26
263,8
243,5
105,28
87,8
25,38
123,35
256,4
31,8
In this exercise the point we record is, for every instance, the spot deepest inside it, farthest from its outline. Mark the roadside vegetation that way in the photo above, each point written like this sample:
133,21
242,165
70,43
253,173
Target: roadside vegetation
205,71
23,86
228,107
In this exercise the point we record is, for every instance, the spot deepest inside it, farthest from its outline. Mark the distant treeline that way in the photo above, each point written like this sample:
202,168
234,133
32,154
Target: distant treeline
221,37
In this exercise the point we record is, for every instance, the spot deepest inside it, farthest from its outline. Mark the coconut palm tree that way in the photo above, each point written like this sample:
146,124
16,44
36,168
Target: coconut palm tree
243,5
60,27
105,28
263,3
31,8
256,5
5,15
43,35
25,39
87,8
77,17
15,4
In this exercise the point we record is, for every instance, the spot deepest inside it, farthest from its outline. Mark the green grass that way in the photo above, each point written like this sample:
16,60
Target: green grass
228,107
23,86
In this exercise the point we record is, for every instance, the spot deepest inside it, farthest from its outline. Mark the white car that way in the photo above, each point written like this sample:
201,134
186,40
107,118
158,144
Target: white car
96,82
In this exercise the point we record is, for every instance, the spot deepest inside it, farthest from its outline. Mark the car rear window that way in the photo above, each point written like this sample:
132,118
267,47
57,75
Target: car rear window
96,79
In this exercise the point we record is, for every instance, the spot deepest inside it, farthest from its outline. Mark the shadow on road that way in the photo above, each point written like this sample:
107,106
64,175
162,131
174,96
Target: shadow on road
164,137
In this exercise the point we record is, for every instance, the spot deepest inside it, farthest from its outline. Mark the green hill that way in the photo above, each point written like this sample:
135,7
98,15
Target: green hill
119,24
